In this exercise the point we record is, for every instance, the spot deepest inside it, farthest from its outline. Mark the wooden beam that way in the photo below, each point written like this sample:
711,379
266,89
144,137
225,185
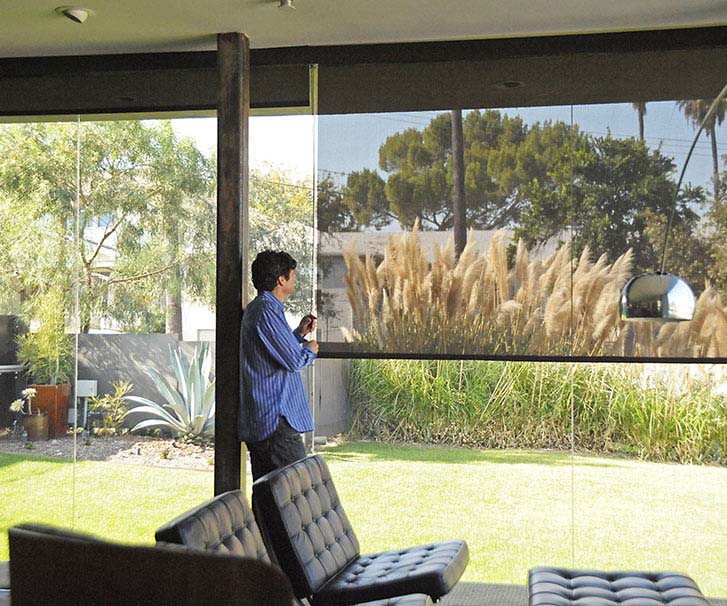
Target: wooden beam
554,70
233,113
134,84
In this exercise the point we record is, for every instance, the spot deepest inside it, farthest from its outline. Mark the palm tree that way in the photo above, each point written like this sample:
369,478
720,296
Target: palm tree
640,107
695,110
458,195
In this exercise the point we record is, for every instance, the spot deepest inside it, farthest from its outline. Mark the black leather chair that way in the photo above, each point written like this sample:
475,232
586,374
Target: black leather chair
51,566
307,531
226,524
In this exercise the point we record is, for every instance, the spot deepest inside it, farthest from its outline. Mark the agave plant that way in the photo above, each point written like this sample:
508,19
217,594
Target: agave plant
190,406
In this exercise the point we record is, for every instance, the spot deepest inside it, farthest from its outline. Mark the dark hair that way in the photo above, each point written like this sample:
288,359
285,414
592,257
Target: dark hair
268,266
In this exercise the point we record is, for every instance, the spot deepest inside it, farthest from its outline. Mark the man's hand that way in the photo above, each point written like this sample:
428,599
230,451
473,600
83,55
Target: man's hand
312,345
307,325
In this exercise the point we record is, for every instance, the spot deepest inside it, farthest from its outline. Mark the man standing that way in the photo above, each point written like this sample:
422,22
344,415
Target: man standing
274,408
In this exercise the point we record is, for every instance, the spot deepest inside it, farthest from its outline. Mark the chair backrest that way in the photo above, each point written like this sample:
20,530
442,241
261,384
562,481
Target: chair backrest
64,568
304,524
223,524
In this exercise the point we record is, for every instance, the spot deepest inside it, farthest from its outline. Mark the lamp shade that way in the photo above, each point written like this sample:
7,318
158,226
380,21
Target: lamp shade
656,296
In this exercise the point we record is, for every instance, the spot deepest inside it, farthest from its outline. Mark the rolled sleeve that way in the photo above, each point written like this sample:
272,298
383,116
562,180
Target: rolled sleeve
282,343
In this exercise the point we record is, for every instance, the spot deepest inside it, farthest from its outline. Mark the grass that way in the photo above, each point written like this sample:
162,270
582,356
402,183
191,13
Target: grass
121,502
514,508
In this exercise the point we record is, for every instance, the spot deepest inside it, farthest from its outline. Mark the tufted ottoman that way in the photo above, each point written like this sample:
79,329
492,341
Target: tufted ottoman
566,587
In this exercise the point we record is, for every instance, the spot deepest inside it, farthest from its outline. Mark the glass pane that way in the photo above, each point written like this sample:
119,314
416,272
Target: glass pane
476,450
396,274
563,206
282,191
145,387
38,242
649,476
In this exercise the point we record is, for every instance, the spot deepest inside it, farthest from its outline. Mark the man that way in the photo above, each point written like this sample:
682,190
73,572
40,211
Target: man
274,408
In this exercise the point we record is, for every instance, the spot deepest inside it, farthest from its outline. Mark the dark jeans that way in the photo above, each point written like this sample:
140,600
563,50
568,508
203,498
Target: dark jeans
284,446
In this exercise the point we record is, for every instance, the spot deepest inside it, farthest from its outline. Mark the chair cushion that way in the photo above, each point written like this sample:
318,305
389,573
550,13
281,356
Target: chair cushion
223,524
564,587
301,516
432,569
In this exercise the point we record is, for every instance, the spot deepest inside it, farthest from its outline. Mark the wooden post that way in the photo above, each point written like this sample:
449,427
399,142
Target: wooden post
233,112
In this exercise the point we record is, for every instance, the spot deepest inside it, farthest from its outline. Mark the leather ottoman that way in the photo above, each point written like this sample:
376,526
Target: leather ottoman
566,587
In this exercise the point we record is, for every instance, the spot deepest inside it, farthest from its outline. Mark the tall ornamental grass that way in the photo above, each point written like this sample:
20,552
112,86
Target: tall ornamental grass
621,409
557,305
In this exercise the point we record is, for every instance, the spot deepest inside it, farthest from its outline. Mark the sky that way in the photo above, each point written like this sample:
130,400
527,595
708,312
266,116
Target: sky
286,142
665,126
351,142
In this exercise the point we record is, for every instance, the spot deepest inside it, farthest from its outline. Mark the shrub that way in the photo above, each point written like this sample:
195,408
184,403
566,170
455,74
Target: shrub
478,303
46,353
615,408
112,406
189,410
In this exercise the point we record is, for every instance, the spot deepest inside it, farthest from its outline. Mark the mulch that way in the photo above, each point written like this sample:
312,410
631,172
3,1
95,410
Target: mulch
127,449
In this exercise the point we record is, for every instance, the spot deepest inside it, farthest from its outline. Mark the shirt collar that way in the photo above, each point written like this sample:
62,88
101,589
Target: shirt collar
269,296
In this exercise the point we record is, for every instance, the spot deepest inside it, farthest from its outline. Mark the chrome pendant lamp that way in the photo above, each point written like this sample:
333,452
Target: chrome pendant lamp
662,296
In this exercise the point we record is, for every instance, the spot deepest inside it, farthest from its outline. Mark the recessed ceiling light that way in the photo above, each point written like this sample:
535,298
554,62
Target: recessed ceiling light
77,14
508,84
286,5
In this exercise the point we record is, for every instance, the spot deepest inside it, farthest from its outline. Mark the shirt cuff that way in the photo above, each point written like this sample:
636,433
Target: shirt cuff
298,337
309,354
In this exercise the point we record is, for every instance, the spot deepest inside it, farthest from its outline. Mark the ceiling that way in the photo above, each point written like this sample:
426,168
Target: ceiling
31,28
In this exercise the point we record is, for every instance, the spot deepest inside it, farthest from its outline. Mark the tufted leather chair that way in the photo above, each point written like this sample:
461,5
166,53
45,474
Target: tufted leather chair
565,587
305,525
226,524
58,567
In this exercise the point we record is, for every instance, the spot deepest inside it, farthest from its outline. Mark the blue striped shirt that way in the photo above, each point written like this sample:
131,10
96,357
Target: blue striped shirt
271,360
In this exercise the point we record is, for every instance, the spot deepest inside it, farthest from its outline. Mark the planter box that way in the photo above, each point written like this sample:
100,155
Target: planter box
54,400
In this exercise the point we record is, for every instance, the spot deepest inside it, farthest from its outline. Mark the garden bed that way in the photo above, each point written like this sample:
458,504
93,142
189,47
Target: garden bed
130,449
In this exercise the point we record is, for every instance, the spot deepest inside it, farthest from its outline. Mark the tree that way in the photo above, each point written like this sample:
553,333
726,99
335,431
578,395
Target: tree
365,197
419,170
143,214
695,110
604,196
281,218
35,210
333,214
640,107
690,249
180,208
717,230
539,180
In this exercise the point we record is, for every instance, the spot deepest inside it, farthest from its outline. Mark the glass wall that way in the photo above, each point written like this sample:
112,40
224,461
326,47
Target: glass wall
108,247
557,208
585,465
40,195
109,242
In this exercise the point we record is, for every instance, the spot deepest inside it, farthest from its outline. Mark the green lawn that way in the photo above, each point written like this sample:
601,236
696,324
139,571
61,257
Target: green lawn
514,508
123,502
